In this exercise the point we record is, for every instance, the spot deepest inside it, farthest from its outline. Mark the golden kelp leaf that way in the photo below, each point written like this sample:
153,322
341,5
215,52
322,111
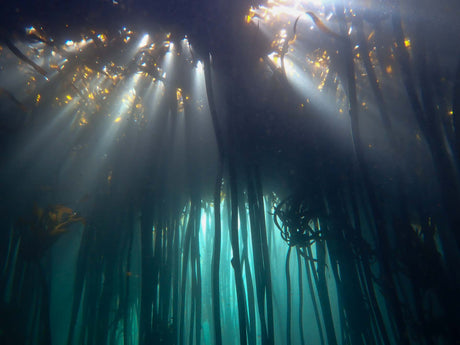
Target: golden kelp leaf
62,210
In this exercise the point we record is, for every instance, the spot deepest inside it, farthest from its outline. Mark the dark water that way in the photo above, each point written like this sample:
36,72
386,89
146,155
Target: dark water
144,144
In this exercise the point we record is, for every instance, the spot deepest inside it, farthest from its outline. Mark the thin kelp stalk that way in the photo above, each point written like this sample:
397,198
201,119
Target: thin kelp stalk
323,293
94,286
198,286
185,259
80,276
236,262
216,257
217,216
189,256
196,276
456,111
310,270
260,255
175,277
164,295
299,269
156,271
192,316
288,297
159,285
252,335
193,303
257,255
346,336
266,258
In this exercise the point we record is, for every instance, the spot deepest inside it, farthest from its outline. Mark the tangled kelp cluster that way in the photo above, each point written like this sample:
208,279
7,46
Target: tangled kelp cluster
298,223
289,178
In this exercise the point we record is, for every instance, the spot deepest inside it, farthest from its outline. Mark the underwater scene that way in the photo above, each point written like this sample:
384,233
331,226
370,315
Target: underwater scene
218,172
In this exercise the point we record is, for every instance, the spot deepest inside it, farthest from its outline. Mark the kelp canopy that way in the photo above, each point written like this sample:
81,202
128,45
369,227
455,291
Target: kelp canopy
229,172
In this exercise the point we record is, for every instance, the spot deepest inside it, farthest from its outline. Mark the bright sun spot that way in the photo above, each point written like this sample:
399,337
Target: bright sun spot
144,41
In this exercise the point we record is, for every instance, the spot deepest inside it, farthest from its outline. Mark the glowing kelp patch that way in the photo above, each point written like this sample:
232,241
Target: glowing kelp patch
90,73
307,44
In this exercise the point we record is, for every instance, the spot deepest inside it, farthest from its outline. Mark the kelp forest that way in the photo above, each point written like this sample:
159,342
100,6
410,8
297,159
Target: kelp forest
230,172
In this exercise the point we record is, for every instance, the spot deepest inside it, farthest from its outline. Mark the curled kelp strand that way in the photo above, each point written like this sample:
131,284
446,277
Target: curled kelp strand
23,57
320,25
